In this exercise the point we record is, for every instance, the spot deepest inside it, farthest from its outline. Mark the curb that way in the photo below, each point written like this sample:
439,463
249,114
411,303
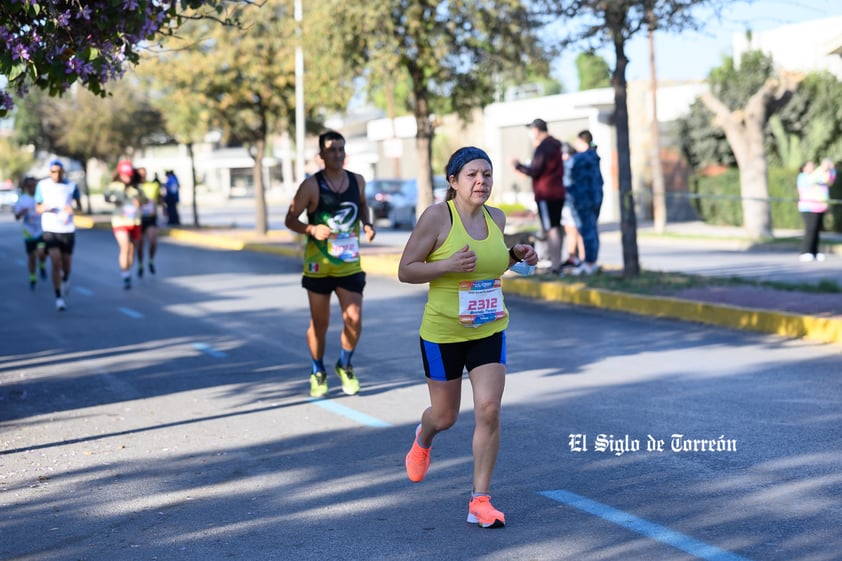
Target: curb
226,242
821,330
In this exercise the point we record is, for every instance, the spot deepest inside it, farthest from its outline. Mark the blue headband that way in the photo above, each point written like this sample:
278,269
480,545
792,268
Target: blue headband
462,157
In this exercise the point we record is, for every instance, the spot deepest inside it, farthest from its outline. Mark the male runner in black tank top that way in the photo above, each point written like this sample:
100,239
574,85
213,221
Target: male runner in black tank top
334,200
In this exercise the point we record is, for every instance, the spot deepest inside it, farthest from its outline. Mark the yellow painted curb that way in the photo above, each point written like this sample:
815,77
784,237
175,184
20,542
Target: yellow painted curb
384,264
85,222
207,240
225,242
823,330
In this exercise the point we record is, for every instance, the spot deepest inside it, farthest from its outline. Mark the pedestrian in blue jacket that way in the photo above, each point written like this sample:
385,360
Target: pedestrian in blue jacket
586,188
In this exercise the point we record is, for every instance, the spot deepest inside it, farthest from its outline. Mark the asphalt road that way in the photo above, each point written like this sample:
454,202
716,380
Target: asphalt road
172,421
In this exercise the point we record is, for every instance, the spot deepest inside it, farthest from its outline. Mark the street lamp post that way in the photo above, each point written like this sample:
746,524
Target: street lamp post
299,97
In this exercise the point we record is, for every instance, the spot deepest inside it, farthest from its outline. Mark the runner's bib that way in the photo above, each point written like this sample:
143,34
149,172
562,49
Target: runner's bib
129,210
344,246
480,302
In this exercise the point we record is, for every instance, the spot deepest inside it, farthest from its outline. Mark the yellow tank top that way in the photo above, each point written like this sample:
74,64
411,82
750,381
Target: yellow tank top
467,306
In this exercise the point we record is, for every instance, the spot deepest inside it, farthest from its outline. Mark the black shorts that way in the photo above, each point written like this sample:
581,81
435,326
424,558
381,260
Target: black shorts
64,241
448,361
31,244
147,221
326,285
549,214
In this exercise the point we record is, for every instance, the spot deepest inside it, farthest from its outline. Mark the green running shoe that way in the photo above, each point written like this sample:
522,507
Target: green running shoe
318,384
350,384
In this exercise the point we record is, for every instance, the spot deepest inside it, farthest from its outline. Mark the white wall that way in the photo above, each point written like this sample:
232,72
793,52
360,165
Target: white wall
804,46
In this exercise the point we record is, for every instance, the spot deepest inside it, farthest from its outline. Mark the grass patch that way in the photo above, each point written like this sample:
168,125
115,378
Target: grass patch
657,283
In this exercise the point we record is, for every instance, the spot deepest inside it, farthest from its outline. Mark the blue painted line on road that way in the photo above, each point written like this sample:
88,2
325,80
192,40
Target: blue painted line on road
352,414
131,313
210,351
83,291
657,532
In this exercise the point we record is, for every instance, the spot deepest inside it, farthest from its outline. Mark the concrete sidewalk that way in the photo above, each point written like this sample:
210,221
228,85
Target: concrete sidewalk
693,248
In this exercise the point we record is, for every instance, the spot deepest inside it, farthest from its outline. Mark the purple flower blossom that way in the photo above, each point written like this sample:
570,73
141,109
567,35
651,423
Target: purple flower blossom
55,41
20,52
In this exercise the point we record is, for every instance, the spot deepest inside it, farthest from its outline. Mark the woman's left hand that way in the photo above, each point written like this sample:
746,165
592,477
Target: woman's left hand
526,253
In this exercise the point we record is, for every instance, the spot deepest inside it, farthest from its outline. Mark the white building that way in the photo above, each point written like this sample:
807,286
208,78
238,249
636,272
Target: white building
807,46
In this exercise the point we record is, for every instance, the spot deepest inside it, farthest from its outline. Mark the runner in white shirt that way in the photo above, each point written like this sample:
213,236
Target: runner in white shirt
54,198
33,240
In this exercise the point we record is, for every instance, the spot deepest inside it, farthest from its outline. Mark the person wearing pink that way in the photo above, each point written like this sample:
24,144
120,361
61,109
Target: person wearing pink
124,192
813,195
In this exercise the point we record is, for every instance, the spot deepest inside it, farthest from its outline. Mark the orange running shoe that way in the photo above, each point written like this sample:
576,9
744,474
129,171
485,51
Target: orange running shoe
482,512
417,460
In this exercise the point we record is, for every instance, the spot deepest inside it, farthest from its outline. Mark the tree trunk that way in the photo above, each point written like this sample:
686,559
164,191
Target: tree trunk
628,219
754,187
260,220
744,131
193,178
424,147
88,208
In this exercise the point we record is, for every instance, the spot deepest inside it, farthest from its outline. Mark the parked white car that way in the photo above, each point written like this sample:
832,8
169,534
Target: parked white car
8,195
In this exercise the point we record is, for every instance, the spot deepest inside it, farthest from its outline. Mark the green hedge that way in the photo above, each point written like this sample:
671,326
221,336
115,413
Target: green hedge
717,200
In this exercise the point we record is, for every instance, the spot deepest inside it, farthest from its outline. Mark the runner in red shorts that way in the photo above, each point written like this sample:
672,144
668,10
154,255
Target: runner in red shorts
127,197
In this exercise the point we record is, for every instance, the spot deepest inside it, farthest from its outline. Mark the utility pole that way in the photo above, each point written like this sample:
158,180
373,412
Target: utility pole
659,205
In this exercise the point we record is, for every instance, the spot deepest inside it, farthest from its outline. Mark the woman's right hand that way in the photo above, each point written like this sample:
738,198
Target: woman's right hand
463,261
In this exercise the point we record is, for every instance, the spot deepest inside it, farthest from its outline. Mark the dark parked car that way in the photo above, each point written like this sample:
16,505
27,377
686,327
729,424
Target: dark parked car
396,200
393,200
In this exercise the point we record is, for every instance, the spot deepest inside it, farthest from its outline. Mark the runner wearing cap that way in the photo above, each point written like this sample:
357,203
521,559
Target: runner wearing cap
125,220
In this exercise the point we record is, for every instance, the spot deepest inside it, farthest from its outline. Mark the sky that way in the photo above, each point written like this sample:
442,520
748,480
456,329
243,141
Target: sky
691,55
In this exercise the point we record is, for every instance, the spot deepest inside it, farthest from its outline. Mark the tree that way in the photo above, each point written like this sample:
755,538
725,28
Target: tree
52,44
593,71
244,77
702,143
455,54
598,22
744,122
809,127
185,117
84,126
14,158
